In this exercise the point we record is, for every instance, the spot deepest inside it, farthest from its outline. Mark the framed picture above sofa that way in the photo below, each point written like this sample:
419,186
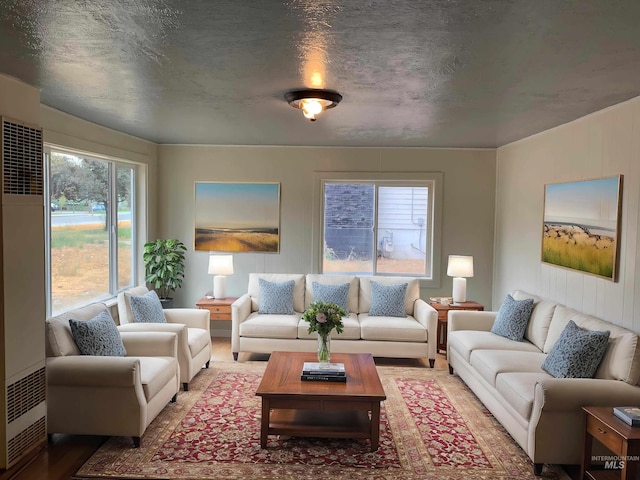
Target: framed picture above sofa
237,217
581,225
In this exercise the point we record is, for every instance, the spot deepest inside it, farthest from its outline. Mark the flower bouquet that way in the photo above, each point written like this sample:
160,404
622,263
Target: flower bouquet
323,318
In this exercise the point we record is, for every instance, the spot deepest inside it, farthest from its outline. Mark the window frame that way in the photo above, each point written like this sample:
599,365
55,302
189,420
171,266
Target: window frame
389,179
112,222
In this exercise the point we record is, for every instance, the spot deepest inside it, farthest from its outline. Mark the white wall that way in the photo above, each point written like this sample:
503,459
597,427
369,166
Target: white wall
602,144
468,209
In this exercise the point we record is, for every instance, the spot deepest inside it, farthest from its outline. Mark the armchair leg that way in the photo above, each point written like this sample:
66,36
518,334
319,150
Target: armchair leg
174,398
432,362
537,469
136,442
185,386
206,365
450,370
49,437
235,356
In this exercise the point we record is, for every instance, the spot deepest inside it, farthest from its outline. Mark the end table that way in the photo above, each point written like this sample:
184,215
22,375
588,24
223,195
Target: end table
219,308
443,316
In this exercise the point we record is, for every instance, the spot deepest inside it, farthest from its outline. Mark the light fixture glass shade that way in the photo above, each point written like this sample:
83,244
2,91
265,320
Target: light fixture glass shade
312,101
460,266
220,266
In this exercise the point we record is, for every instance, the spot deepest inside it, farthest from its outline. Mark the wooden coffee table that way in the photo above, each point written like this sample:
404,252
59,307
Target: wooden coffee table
291,406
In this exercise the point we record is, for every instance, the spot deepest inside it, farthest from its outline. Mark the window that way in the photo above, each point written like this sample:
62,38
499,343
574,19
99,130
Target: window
90,229
379,226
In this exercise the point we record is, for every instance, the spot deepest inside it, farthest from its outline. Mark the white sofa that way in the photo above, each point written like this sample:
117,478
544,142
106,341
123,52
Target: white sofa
542,413
103,395
190,324
410,337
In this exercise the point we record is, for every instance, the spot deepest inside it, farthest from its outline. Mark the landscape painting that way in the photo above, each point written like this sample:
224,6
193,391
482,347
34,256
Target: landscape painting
581,225
237,217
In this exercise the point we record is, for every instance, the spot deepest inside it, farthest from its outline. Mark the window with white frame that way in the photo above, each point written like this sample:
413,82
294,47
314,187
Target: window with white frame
379,226
90,228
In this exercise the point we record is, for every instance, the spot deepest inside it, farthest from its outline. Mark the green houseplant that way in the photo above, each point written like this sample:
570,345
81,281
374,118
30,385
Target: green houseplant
164,267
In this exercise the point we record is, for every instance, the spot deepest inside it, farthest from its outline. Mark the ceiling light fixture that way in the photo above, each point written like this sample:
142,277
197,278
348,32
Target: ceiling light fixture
312,102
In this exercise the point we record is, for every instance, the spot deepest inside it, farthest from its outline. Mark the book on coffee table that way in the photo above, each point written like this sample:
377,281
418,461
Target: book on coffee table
332,369
629,415
323,378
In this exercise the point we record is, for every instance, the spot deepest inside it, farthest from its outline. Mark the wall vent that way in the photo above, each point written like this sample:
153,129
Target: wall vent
26,440
25,394
22,166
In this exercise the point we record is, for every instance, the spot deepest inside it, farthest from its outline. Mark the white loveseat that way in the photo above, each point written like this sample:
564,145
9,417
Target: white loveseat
413,336
105,395
542,413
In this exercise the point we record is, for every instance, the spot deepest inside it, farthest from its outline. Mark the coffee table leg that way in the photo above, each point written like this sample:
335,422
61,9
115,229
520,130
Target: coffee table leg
264,423
375,426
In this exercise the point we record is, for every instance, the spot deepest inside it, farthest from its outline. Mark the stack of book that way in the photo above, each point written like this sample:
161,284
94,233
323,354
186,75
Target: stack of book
334,372
629,415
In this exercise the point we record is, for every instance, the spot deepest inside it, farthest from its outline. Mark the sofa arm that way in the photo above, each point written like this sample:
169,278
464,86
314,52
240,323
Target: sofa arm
470,320
240,310
571,394
93,371
150,344
428,318
191,317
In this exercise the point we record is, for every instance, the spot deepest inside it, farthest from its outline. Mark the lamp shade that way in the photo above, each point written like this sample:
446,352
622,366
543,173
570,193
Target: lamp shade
221,264
460,266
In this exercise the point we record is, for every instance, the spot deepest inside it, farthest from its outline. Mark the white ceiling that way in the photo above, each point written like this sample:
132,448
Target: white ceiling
443,73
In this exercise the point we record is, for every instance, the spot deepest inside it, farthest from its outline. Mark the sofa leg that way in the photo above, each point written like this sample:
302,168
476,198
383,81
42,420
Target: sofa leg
136,442
432,362
206,365
537,469
235,356
174,398
185,386
450,370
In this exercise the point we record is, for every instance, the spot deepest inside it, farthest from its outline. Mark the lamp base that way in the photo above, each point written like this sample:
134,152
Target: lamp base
219,286
459,289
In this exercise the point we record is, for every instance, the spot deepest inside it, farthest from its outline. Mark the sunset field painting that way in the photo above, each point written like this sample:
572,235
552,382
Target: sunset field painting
581,225
237,217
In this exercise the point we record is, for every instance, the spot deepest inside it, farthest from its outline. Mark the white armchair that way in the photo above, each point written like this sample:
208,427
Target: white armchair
103,395
190,324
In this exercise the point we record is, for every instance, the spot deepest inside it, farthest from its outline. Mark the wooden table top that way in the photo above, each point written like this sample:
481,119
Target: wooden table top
282,377
606,416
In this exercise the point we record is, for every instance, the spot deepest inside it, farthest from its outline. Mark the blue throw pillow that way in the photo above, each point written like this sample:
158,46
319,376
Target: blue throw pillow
577,352
337,294
513,318
147,308
276,297
98,336
387,300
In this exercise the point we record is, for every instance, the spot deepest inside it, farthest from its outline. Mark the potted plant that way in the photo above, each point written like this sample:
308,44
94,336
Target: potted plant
164,267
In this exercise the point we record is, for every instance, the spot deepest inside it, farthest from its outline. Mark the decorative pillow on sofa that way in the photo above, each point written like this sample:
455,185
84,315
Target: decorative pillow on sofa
147,308
387,300
512,319
337,294
276,297
98,336
577,352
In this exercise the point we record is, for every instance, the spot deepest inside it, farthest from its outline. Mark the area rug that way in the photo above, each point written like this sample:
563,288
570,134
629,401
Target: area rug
432,427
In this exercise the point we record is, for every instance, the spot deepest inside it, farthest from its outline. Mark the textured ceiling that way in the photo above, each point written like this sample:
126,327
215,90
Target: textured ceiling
445,73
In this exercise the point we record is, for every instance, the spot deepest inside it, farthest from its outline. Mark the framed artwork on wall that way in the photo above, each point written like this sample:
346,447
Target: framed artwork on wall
581,225
237,217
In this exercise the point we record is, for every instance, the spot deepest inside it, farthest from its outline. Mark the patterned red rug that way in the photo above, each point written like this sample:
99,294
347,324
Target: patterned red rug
432,427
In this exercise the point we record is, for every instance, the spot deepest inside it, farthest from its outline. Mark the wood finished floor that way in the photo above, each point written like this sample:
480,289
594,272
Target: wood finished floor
65,454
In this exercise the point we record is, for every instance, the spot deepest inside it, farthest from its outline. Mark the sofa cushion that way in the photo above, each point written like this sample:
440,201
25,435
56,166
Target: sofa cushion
336,294
325,279
406,329
198,339
270,326
276,297
350,325
466,341
147,308
412,294
98,336
155,372
538,326
60,342
561,316
518,390
387,300
577,353
298,290
490,363
513,317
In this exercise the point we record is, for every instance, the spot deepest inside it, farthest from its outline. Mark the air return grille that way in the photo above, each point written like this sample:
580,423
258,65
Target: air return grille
25,440
25,394
22,168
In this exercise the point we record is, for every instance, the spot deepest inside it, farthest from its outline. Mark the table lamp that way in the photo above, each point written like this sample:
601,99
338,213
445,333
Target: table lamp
459,267
220,266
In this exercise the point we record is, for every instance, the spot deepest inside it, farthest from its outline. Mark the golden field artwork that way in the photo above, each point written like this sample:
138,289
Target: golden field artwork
238,241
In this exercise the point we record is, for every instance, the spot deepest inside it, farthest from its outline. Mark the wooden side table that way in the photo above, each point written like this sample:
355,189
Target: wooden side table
219,308
621,439
443,316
